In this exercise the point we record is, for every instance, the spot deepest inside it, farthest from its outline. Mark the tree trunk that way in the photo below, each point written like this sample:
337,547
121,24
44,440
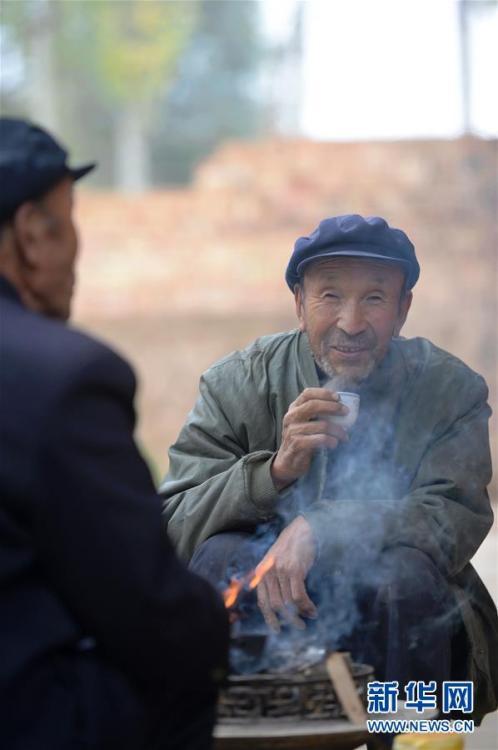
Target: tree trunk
464,22
131,154
42,86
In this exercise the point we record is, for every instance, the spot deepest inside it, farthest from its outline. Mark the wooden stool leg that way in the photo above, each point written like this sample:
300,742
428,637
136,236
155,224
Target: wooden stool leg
379,742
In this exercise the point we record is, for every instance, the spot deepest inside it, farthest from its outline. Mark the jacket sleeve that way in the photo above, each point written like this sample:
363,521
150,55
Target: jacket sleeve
446,513
219,478
99,537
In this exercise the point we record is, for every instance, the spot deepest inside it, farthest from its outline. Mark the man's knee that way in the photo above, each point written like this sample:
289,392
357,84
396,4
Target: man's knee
222,556
406,573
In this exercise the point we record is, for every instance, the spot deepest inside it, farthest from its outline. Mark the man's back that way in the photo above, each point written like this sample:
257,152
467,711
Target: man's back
85,572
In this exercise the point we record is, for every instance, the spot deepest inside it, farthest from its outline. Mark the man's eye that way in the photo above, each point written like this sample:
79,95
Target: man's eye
331,295
375,298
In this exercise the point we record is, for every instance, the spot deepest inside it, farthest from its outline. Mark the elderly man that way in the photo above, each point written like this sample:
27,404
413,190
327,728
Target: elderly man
107,641
370,528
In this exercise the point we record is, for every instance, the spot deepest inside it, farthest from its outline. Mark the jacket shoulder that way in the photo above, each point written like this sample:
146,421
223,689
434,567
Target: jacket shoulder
264,347
45,354
429,365
254,368
259,353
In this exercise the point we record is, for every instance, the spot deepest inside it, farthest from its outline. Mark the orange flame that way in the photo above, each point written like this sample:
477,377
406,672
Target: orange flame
261,570
250,580
231,593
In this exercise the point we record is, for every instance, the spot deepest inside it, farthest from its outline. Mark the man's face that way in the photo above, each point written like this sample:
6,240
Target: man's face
350,308
53,255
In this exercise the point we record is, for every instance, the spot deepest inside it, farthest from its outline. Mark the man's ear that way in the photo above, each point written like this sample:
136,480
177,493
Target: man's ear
404,306
30,228
299,300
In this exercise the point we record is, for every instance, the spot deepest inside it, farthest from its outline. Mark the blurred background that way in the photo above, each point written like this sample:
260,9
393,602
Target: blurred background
224,129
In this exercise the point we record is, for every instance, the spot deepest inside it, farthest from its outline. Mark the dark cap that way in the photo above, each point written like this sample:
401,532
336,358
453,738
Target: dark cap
31,163
353,236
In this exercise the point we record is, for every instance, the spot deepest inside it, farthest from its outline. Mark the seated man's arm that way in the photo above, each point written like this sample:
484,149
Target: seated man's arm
446,512
98,533
219,479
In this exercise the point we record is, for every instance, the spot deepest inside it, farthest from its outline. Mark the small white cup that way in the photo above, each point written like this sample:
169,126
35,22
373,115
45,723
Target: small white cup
352,401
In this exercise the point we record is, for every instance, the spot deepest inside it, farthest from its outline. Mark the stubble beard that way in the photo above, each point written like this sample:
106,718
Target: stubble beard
343,378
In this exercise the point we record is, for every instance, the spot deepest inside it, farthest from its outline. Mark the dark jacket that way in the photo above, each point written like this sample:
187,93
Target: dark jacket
83,560
416,468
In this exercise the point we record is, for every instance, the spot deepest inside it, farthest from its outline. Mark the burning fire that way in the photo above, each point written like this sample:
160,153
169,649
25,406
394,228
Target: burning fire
249,581
231,593
261,570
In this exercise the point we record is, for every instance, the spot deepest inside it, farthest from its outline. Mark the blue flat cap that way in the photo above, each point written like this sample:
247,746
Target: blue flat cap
31,163
353,236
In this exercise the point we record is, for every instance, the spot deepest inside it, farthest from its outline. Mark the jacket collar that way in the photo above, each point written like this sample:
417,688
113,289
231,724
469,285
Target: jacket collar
8,290
306,362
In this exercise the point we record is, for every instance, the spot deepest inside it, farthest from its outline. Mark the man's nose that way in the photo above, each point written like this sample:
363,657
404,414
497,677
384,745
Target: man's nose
351,319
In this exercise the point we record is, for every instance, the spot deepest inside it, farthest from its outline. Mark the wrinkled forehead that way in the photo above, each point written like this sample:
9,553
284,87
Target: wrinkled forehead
355,270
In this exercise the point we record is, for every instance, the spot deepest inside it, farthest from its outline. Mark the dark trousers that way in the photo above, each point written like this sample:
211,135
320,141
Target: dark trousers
397,615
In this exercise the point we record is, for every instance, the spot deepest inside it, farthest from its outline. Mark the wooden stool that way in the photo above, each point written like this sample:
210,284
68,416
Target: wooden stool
333,734
291,734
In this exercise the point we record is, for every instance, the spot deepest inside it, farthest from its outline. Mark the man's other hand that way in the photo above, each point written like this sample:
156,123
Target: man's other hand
282,592
305,428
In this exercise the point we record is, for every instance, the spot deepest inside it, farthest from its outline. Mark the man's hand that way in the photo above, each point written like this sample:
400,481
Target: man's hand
306,428
283,589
